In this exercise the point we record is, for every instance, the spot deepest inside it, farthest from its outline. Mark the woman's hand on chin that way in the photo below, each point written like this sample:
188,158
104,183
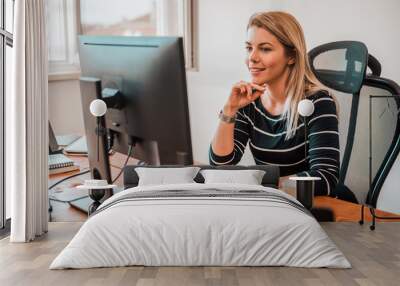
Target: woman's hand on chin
242,94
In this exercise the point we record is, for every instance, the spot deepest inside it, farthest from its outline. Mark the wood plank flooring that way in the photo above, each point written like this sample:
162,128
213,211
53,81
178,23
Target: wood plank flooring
375,257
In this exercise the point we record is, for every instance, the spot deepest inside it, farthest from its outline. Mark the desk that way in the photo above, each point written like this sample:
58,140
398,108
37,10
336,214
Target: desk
63,211
343,211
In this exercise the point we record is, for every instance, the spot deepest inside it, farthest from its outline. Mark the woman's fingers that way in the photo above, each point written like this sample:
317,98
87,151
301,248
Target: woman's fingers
258,87
240,88
249,91
256,94
243,89
256,91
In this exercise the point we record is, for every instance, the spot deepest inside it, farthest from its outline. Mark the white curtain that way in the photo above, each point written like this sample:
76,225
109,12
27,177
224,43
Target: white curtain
27,121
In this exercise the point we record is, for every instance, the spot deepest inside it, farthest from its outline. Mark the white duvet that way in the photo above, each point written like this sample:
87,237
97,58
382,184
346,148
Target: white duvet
200,231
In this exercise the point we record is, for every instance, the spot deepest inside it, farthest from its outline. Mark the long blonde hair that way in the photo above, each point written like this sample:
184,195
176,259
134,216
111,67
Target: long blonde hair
301,80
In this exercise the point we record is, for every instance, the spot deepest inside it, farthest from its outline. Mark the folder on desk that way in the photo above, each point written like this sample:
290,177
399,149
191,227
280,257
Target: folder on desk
78,147
67,139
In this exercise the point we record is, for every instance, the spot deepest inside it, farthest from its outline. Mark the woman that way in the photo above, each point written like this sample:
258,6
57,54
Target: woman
264,112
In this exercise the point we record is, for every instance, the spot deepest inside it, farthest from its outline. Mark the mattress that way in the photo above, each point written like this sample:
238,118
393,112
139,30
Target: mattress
201,225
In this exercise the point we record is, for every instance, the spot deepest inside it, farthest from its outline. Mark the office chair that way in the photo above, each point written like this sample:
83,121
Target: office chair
342,66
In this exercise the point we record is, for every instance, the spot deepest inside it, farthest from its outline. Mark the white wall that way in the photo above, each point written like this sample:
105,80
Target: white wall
65,108
221,36
221,46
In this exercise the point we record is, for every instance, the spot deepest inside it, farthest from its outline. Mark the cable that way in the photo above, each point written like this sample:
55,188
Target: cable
87,171
60,181
69,177
126,162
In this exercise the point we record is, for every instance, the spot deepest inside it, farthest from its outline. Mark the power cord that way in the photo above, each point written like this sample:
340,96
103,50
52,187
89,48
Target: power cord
59,182
126,162
87,171
69,177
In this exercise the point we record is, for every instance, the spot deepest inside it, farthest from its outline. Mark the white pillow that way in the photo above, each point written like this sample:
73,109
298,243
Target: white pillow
162,176
248,177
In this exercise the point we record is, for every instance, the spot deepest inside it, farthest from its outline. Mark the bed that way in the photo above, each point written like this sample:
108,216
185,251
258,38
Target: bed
201,224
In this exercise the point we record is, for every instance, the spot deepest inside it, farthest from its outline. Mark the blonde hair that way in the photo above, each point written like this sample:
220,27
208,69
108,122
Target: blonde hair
301,80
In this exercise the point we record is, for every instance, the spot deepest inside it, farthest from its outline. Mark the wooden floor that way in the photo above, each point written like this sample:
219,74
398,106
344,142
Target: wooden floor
374,255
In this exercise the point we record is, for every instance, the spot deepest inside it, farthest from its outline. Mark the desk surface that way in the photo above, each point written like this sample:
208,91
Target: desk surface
344,211
63,211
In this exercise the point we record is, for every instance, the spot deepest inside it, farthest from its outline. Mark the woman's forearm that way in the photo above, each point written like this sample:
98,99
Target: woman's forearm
222,143
242,94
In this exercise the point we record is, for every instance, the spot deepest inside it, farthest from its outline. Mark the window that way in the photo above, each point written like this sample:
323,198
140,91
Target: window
102,17
62,41
67,18
6,43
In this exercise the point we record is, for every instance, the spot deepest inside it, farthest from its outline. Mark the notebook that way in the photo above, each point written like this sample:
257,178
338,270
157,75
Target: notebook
59,163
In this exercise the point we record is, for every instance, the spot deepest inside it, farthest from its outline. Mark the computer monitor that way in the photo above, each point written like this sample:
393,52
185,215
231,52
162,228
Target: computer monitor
143,82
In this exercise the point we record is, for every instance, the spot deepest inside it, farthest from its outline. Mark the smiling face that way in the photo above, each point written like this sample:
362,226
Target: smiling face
266,57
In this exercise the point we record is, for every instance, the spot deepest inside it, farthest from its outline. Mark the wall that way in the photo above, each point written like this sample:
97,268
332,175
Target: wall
221,36
65,108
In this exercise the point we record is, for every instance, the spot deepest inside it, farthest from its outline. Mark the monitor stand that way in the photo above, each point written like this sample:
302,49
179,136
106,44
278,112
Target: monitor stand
97,143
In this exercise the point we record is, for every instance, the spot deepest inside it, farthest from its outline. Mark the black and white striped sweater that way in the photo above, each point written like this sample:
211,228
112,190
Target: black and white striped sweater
265,134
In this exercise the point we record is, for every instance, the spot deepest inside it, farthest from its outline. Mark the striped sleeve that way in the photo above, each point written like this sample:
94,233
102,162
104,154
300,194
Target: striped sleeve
323,149
240,139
